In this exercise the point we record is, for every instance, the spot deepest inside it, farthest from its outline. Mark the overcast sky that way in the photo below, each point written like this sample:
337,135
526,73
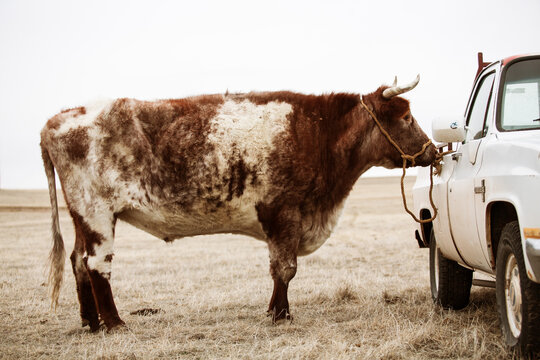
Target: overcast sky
61,54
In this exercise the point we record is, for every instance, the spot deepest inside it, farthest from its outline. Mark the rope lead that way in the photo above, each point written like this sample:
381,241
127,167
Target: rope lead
411,158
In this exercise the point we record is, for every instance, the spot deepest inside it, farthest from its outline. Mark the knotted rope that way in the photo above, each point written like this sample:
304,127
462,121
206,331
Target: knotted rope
436,163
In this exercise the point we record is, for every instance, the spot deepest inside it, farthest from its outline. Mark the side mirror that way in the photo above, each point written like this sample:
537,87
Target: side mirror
448,130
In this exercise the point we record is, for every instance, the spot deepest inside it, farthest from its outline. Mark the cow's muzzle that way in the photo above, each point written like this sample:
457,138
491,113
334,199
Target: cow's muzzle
426,157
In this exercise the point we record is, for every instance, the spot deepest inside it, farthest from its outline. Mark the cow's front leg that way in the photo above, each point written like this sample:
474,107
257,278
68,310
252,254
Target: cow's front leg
283,253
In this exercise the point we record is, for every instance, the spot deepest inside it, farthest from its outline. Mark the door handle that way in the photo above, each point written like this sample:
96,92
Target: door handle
456,156
481,190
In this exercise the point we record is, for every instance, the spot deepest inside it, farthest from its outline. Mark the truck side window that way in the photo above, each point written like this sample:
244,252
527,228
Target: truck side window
520,107
478,113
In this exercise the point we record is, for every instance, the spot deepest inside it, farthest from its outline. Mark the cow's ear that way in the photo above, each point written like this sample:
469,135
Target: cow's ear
394,108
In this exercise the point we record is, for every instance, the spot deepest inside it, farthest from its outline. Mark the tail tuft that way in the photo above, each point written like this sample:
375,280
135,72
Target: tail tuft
57,258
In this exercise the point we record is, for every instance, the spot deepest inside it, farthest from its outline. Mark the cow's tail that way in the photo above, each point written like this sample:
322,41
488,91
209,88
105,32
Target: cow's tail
57,256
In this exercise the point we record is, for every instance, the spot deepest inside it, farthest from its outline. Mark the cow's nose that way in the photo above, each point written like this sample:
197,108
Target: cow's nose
428,157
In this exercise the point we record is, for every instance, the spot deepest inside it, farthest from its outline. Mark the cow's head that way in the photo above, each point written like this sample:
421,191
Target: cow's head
395,117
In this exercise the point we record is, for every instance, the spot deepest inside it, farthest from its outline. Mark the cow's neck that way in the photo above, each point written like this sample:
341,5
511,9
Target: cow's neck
355,151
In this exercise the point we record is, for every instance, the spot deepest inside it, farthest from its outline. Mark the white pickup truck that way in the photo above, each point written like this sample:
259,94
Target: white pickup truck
488,199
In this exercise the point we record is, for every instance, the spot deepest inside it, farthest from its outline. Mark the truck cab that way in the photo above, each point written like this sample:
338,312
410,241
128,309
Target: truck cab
487,196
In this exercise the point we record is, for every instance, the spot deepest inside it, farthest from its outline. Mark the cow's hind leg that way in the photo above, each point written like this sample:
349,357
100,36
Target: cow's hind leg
98,233
282,268
89,315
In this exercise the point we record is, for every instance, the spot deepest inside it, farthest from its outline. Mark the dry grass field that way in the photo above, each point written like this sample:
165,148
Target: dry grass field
363,295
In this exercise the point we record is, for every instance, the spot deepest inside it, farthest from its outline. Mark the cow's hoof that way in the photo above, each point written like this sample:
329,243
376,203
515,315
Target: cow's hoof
117,328
278,315
94,325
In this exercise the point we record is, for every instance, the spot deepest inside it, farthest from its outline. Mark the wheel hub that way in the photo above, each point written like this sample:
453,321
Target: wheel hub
512,292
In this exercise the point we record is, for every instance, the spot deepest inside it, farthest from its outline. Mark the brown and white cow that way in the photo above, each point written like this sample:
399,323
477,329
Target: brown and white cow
276,166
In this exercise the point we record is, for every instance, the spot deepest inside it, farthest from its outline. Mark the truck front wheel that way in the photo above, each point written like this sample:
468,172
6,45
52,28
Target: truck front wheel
450,282
518,298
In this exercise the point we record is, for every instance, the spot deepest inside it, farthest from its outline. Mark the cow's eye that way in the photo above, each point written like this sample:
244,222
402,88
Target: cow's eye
407,117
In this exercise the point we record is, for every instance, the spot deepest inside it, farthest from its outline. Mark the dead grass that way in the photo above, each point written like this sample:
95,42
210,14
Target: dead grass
363,295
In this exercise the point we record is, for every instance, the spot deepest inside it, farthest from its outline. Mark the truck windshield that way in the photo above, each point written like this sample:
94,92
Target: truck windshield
520,108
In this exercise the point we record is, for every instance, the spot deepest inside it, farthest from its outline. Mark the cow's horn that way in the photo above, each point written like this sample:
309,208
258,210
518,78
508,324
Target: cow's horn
396,90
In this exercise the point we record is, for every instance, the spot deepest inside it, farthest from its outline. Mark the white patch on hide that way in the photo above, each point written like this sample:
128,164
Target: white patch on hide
80,269
250,130
102,225
246,131
92,112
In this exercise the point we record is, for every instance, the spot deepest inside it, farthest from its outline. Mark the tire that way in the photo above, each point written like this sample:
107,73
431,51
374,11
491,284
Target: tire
450,282
518,298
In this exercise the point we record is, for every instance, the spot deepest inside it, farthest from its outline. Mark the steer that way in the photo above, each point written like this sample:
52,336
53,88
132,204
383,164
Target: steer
276,166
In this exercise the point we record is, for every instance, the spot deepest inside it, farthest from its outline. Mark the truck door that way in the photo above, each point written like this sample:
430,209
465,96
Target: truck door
463,190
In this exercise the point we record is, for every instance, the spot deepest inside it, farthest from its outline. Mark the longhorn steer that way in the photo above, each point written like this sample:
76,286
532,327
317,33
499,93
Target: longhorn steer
276,166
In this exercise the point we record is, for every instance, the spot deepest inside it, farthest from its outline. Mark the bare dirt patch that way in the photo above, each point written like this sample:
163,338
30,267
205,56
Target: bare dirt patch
363,295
